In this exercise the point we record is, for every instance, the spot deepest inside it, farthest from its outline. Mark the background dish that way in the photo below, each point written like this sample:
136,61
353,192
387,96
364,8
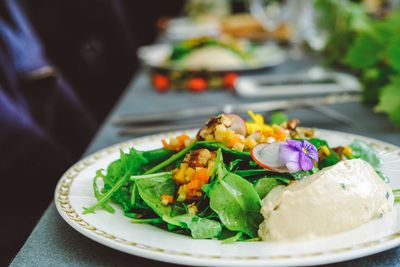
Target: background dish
270,55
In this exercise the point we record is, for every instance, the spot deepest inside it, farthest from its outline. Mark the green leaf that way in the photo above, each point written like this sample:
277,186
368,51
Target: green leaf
364,52
278,118
155,221
206,144
318,143
362,150
234,165
329,160
393,52
97,194
264,185
237,237
117,177
235,201
200,227
389,100
157,155
259,173
152,187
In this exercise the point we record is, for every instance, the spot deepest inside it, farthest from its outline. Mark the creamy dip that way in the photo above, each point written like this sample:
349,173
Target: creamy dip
211,58
333,200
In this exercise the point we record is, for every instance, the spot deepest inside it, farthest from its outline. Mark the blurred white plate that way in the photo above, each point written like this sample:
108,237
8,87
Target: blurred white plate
74,191
185,28
269,55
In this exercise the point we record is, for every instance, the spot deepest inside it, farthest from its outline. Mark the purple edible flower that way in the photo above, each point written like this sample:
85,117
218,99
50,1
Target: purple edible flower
298,155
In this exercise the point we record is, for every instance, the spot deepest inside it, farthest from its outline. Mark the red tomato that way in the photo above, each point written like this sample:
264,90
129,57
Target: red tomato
197,84
229,80
160,82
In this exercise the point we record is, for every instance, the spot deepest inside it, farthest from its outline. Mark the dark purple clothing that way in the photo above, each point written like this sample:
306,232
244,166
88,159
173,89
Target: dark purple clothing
44,127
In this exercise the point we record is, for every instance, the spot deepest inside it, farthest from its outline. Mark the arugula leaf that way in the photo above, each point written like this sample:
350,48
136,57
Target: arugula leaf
227,151
155,221
206,144
259,173
362,150
237,237
152,187
97,194
235,201
157,155
117,176
200,228
234,165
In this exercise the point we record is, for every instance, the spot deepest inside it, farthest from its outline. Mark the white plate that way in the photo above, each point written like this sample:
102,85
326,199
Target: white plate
179,29
74,191
269,55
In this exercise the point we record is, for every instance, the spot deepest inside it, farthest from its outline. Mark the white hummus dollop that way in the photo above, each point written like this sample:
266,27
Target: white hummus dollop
211,58
333,200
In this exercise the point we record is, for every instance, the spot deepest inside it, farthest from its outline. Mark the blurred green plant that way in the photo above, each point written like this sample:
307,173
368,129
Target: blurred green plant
367,46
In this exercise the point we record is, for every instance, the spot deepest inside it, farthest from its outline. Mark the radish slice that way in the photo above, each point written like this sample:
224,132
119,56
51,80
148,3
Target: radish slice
267,156
238,124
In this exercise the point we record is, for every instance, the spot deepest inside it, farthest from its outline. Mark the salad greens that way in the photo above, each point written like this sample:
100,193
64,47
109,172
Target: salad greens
235,200
228,207
183,48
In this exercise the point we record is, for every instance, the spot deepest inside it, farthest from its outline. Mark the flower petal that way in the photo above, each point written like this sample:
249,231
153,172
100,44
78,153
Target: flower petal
288,153
293,166
296,144
311,149
305,162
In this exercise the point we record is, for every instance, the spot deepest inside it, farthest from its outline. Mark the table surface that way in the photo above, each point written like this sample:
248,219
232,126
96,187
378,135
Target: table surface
54,243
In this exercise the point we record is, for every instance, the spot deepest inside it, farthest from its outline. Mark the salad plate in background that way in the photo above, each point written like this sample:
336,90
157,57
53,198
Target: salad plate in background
212,55
148,229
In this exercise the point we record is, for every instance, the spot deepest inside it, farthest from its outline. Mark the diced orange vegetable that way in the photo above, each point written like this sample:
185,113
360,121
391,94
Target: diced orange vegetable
202,175
279,135
176,143
182,138
232,141
167,199
194,185
189,173
165,144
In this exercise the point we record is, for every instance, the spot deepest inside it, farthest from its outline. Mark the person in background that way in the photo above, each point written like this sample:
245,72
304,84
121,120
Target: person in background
94,42
63,64
43,127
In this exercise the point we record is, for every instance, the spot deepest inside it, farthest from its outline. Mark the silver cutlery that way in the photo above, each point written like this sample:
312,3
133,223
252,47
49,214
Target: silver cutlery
263,106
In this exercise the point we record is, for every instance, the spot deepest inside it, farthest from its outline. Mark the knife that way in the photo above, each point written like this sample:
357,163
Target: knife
263,106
